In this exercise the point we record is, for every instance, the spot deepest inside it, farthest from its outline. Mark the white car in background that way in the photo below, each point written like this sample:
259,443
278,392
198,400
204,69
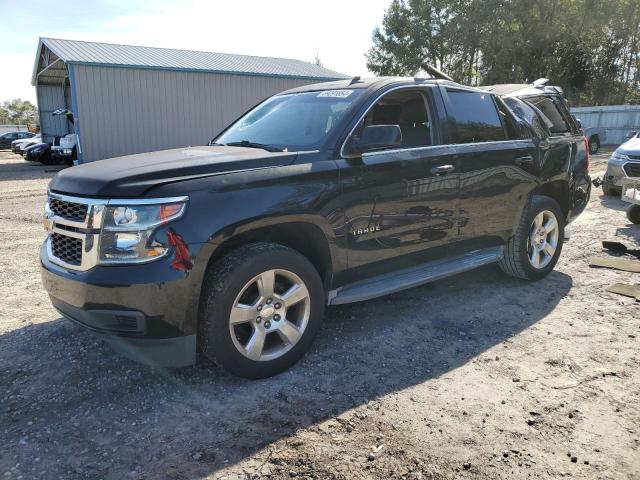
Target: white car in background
623,164
18,146
65,150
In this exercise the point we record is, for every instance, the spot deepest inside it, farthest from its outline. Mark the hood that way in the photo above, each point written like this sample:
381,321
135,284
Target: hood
133,175
37,146
630,146
26,140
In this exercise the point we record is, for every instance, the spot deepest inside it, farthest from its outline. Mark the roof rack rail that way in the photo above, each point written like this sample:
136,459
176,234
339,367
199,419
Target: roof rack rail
355,79
435,73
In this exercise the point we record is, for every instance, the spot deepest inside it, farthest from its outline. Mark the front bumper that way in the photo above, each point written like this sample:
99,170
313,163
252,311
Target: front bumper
146,312
32,157
62,154
617,172
16,150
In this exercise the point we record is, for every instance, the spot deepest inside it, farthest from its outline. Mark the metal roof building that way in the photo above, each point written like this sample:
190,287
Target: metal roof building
130,99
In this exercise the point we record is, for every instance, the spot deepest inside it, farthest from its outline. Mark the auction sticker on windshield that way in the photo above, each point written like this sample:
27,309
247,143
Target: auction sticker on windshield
335,93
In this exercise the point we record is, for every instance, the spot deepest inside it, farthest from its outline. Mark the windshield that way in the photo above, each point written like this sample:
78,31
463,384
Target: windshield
291,122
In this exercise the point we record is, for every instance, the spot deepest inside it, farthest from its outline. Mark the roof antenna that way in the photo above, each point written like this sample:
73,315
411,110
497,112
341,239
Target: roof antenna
354,80
433,71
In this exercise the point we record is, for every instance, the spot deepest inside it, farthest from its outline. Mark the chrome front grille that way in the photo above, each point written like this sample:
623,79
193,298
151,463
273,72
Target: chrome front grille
67,249
74,229
632,169
76,212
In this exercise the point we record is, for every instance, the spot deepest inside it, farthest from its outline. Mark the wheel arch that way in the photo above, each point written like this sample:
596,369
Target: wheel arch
303,235
558,190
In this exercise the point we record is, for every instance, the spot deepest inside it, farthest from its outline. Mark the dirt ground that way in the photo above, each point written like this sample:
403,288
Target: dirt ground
477,376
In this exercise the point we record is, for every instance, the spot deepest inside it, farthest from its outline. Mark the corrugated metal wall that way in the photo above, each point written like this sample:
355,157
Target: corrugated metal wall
121,111
617,120
50,98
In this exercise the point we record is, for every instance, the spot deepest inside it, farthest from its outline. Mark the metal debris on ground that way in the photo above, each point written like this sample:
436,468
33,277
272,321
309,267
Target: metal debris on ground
632,291
615,263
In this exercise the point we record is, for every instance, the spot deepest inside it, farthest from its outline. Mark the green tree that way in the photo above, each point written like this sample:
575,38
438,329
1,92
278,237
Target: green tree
588,47
18,112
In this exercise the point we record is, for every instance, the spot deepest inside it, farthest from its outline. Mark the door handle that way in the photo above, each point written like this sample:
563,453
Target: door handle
524,161
442,169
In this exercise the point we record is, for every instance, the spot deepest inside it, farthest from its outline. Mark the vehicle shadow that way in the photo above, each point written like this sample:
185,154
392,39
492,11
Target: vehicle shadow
86,412
631,232
614,203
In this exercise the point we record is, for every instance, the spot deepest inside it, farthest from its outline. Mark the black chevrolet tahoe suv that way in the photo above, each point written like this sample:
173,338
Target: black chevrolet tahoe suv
322,195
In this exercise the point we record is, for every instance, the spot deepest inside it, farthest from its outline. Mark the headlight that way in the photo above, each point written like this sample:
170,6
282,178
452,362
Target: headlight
618,158
128,232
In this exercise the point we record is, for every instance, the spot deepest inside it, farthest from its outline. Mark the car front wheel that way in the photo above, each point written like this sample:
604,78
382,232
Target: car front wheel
610,191
263,305
534,249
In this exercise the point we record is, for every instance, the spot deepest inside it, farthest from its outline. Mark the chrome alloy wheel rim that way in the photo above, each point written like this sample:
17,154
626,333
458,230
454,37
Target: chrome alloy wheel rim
270,315
543,239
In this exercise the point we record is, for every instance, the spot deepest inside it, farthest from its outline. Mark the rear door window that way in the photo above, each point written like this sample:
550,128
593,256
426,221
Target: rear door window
557,123
476,117
528,114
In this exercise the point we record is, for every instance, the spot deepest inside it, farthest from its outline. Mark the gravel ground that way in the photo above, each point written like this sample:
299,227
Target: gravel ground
476,376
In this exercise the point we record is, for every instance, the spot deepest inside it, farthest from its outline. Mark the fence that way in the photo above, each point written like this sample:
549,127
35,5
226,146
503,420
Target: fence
617,120
12,128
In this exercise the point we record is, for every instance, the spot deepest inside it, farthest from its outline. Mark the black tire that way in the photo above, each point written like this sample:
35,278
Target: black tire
226,279
610,191
633,214
516,261
594,145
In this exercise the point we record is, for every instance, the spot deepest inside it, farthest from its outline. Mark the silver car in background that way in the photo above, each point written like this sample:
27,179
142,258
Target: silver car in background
623,164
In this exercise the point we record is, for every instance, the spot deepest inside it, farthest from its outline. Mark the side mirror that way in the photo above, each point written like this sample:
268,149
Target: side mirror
376,137
631,135
579,122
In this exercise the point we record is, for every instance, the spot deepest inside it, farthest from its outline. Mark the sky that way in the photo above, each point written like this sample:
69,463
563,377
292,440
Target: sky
338,31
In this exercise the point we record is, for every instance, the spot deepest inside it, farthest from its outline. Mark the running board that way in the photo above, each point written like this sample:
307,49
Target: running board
413,276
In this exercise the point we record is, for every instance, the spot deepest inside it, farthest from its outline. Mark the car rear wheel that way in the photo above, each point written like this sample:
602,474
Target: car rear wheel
594,145
534,249
263,305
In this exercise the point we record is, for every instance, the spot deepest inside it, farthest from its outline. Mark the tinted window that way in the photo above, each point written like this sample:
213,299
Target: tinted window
551,112
528,114
476,117
408,110
294,121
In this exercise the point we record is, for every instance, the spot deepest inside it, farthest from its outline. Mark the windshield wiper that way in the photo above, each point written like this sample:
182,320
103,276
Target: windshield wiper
248,144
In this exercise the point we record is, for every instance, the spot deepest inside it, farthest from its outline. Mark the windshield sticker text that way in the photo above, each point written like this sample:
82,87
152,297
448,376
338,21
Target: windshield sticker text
335,93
